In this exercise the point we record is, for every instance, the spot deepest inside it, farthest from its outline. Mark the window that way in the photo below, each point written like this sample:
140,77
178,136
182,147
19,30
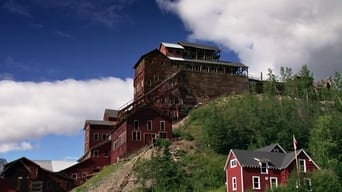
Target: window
136,125
96,136
74,176
162,134
233,163
234,185
149,83
154,139
136,136
96,153
156,78
149,125
264,169
256,182
84,174
302,165
307,184
162,125
104,136
273,182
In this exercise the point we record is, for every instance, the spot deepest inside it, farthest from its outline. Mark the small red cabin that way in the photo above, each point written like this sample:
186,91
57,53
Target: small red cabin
265,168
27,175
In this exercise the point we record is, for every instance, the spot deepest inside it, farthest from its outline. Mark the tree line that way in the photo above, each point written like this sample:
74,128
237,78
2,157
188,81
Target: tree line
291,104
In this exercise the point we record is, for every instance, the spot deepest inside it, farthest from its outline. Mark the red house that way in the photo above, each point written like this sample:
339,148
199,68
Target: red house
140,128
96,149
108,140
26,175
264,168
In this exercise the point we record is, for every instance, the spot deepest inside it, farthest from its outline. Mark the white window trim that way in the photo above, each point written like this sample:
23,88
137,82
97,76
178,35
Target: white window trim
309,181
304,165
231,163
266,172
234,183
276,179
136,132
259,184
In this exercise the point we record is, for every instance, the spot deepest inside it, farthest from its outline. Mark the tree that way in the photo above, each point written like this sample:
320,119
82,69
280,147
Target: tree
326,181
163,172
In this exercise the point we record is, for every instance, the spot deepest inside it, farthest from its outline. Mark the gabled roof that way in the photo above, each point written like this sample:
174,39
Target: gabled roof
154,51
253,158
275,160
111,113
54,165
47,165
271,148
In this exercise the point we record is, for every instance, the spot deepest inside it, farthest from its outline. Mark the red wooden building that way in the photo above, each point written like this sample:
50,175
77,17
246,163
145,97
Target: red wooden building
140,128
97,148
265,168
26,175
108,141
181,75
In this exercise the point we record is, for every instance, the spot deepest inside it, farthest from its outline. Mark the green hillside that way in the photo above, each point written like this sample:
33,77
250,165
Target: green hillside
196,160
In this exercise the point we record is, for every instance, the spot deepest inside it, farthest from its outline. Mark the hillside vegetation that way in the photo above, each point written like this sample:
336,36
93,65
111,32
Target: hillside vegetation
313,114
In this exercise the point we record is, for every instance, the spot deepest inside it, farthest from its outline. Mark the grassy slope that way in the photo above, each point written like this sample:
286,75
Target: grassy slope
205,167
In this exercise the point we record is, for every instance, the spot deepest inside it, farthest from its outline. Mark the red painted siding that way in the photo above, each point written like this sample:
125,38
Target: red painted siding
101,155
119,143
91,140
124,142
233,172
82,171
281,176
248,174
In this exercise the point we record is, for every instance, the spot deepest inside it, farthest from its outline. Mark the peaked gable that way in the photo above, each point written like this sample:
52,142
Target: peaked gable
275,148
154,51
289,159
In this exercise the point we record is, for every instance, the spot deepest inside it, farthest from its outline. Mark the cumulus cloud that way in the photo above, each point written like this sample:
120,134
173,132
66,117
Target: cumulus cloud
269,34
30,110
5,147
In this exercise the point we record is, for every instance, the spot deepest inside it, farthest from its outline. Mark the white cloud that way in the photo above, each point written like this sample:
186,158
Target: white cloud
5,147
269,34
30,110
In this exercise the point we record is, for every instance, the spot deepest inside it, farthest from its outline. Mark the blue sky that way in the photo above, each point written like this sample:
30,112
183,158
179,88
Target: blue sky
46,42
63,62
